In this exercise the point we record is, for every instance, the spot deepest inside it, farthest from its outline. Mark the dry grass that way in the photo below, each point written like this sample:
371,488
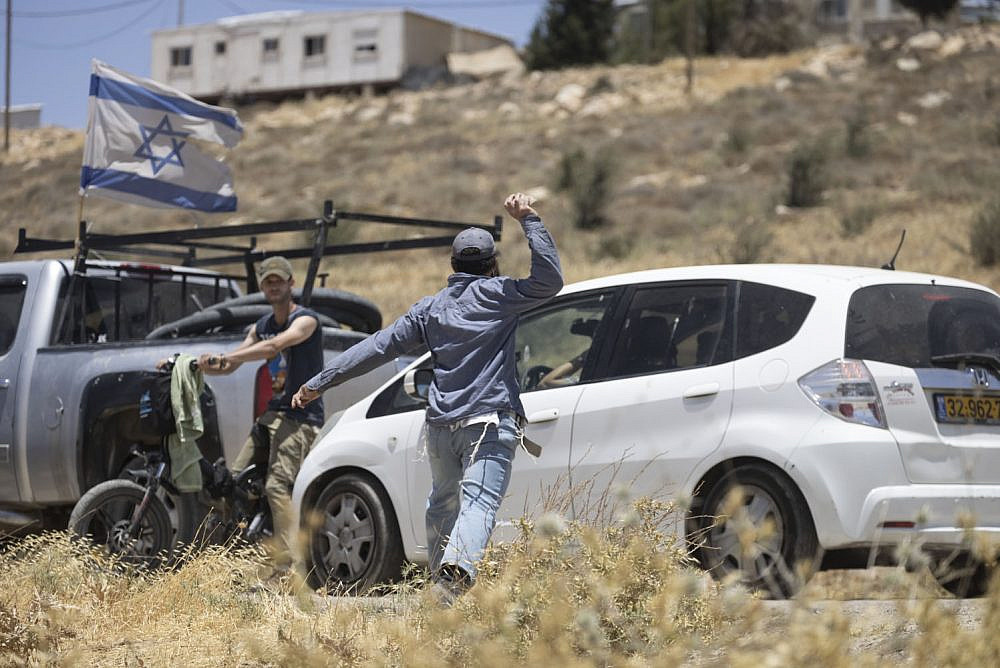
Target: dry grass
561,594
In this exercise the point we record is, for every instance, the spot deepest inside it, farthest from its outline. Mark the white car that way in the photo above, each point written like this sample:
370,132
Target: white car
856,408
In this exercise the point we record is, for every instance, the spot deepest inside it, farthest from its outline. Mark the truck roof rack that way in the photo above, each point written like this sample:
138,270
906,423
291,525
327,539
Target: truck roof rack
190,247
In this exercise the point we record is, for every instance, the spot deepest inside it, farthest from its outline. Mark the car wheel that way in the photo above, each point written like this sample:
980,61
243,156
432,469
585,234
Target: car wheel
962,575
756,527
354,541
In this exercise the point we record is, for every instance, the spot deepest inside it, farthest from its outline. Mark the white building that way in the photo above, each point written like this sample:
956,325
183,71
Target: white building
23,116
280,53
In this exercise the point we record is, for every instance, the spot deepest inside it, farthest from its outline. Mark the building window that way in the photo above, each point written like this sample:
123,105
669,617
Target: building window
180,56
220,48
315,45
365,46
269,48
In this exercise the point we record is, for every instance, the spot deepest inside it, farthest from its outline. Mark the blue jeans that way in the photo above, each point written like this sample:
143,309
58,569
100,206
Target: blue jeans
470,470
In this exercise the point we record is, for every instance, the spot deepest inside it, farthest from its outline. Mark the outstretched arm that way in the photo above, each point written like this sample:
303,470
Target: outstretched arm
402,336
253,348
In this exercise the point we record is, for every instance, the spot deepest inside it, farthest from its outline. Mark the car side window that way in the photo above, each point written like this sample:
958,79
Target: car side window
768,316
12,289
554,343
668,328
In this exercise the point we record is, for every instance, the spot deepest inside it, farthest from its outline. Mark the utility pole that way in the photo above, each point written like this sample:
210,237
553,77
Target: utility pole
689,36
6,85
180,13
855,22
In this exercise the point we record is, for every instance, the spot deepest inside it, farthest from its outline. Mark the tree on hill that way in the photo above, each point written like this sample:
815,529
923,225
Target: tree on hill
926,9
571,32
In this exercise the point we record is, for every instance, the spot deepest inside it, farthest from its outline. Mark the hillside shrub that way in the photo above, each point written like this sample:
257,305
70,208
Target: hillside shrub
750,244
856,219
738,137
806,169
984,237
857,142
588,180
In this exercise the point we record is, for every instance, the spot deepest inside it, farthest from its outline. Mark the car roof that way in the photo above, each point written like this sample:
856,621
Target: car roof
809,278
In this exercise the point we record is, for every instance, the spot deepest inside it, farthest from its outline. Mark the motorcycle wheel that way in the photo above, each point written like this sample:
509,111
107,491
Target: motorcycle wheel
103,516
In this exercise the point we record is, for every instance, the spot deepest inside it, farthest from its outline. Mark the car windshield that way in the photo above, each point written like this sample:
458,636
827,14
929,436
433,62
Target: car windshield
910,324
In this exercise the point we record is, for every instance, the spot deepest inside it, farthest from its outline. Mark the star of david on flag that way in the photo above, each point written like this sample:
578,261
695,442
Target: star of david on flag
150,134
138,146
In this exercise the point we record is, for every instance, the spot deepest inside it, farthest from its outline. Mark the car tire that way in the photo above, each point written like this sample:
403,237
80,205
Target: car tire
962,575
779,559
353,537
103,514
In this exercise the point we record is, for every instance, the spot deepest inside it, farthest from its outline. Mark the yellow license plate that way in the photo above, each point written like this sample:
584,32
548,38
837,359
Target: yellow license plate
967,408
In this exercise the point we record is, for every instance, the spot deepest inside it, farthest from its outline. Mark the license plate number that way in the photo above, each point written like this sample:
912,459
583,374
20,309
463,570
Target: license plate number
966,408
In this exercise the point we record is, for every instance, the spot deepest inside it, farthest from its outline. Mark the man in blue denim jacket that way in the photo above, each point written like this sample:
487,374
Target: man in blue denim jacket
474,408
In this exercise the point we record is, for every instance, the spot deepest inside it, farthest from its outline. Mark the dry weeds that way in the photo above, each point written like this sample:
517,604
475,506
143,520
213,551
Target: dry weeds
561,594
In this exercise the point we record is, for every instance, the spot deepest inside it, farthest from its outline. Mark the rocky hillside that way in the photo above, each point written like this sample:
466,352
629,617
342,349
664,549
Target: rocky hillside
902,134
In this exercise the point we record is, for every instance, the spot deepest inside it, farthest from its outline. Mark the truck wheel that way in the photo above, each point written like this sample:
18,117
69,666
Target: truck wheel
103,516
223,318
768,539
353,537
353,310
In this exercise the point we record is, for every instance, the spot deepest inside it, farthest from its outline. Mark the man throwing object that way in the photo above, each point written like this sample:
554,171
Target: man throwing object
474,410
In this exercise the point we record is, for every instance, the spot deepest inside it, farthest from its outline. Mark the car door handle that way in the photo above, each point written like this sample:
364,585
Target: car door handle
705,390
546,415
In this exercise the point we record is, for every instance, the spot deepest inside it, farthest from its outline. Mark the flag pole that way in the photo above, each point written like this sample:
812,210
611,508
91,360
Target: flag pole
79,212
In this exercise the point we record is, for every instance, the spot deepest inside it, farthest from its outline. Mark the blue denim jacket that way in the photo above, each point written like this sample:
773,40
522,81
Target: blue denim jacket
469,327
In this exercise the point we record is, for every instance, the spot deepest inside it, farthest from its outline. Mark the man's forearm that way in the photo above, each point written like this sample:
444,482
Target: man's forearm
262,350
546,277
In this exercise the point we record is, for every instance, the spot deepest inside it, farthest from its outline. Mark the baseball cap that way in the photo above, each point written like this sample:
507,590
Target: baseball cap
276,265
473,244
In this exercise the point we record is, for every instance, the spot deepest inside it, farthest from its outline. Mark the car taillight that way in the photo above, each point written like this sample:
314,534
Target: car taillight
845,389
262,391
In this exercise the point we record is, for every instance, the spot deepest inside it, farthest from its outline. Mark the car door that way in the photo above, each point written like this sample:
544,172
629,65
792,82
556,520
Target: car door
663,397
561,336
12,291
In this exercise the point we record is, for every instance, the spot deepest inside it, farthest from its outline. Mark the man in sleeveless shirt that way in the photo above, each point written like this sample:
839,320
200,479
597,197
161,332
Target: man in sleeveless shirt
291,341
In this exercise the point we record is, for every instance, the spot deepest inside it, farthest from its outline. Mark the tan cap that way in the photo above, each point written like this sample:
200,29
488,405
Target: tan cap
276,265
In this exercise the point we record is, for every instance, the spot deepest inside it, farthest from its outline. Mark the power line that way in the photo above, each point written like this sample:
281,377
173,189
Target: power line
58,13
94,40
434,4
233,6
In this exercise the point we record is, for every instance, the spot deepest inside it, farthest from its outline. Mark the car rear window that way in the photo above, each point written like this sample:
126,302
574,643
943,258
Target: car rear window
910,324
768,316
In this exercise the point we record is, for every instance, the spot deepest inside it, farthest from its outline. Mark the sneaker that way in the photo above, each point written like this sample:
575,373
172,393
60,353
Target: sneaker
450,582
279,581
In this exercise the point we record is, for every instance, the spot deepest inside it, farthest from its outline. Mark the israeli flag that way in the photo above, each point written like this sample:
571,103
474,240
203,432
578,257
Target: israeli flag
138,147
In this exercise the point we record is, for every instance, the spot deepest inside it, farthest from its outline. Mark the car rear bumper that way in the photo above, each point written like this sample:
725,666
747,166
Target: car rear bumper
944,515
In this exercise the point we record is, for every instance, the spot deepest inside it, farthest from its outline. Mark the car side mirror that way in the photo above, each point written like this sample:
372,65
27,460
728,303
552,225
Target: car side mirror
417,383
